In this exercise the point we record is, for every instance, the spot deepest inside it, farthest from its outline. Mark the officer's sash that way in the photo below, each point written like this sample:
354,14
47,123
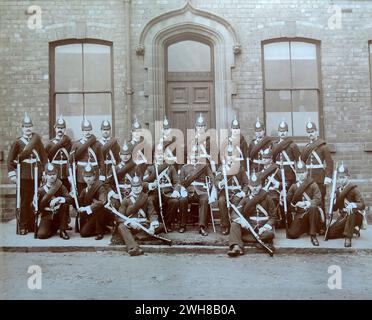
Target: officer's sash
267,172
281,146
29,146
194,176
88,199
108,145
137,205
50,192
80,151
250,206
341,198
261,145
310,148
61,144
300,191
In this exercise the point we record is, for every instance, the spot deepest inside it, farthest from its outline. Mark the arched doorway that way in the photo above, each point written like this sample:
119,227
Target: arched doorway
189,81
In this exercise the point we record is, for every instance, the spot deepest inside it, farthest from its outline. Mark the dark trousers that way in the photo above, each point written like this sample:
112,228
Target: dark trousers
50,223
307,222
239,235
27,214
222,206
129,235
202,200
344,226
170,207
93,224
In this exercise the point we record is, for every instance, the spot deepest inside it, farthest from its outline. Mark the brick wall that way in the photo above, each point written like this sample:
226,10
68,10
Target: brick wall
346,94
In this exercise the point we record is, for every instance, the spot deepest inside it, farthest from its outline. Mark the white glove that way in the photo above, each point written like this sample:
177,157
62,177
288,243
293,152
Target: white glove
276,185
213,196
241,194
351,206
183,192
307,204
153,185
264,228
300,204
327,180
54,202
13,179
243,223
102,178
175,194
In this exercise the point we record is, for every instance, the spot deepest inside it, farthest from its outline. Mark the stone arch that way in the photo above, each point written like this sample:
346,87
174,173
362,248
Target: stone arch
189,21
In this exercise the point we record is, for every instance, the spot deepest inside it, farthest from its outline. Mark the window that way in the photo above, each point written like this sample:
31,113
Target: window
81,83
370,62
291,85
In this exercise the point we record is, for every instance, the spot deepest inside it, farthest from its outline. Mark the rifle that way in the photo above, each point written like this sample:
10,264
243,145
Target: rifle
333,192
18,195
159,196
125,218
256,236
248,172
284,190
207,183
225,184
115,177
72,180
36,200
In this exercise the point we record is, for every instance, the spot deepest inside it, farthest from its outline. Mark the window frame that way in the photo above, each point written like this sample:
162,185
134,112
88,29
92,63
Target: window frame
317,44
52,91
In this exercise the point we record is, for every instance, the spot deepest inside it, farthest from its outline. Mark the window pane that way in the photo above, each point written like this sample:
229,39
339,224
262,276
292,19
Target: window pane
278,107
97,67
304,65
71,108
305,107
68,68
277,68
190,56
97,109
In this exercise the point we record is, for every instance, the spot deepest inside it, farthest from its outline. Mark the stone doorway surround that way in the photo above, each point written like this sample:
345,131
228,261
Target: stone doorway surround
189,21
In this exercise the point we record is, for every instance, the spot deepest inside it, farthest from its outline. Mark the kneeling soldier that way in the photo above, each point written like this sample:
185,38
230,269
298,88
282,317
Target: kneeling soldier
305,199
92,200
259,210
140,210
351,206
54,201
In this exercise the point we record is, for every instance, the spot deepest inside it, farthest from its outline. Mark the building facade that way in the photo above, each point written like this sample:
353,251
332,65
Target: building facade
119,59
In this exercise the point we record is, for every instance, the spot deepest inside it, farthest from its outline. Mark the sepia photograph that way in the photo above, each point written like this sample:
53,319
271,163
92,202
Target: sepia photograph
184,155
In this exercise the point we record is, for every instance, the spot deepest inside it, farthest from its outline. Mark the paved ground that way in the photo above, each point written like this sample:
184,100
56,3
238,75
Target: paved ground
190,241
113,275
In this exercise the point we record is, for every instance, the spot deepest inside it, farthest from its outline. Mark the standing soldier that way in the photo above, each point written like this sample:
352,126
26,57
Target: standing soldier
256,147
140,210
305,198
58,150
169,144
169,188
138,144
350,204
27,151
285,153
110,148
86,151
54,201
236,189
92,200
193,181
260,213
319,163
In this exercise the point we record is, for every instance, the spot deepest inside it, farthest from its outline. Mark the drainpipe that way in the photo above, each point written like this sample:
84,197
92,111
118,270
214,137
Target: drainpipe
128,88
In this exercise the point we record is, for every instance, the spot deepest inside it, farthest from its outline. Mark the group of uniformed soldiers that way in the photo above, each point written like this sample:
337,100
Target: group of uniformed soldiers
257,187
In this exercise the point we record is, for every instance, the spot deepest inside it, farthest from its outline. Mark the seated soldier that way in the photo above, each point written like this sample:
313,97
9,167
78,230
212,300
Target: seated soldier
193,190
237,187
140,210
350,204
92,200
53,203
305,198
259,211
